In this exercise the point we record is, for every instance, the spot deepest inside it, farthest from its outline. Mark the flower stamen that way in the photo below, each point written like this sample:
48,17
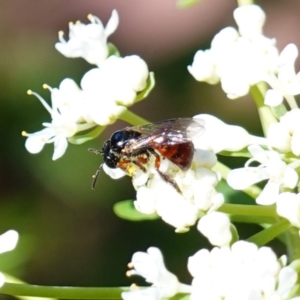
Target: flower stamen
45,104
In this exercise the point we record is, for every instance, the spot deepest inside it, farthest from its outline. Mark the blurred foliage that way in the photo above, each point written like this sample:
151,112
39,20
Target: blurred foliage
69,234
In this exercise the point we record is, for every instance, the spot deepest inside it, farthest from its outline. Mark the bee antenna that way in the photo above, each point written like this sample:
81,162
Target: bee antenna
95,176
96,151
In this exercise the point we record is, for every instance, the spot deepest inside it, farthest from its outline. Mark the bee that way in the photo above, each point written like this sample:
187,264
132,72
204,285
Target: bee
170,139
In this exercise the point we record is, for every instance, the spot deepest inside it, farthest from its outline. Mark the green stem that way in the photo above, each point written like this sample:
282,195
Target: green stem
248,210
187,3
252,219
268,234
252,191
244,2
12,279
291,101
292,242
85,126
265,113
133,119
82,138
14,289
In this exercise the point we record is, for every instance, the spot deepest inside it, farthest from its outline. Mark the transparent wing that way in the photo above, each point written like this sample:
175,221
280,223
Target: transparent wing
168,132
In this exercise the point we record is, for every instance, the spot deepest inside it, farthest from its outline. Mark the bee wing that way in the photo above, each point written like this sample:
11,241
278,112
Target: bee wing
168,132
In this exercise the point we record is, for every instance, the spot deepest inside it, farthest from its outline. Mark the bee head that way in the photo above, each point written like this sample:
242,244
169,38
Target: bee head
110,159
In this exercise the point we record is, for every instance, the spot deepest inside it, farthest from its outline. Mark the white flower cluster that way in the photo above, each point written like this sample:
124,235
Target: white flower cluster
240,59
271,168
280,176
197,184
88,41
242,271
244,57
104,92
278,165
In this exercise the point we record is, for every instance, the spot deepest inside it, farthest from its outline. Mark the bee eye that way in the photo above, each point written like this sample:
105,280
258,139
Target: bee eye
106,148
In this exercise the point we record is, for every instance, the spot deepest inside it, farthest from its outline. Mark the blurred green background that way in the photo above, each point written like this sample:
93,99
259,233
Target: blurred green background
69,234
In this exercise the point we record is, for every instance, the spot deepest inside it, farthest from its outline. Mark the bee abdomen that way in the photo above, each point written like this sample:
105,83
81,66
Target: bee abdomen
180,154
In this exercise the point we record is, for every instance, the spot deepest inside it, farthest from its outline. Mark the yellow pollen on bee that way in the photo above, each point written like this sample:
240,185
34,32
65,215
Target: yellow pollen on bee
130,170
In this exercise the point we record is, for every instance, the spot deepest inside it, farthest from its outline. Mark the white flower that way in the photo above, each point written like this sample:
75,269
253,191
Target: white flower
243,271
8,242
66,116
238,59
271,167
104,95
285,135
219,136
88,41
279,137
112,86
216,227
203,68
160,197
285,82
113,173
150,265
250,20
288,206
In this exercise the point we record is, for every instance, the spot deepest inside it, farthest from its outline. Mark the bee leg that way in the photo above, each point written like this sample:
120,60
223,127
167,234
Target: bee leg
165,177
168,179
123,165
137,163
141,160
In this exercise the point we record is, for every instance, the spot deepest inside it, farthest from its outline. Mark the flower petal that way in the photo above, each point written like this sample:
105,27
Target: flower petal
219,136
203,67
8,240
60,147
112,24
242,178
269,194
250,19
216,227
113,173
288,206
145,202
273,98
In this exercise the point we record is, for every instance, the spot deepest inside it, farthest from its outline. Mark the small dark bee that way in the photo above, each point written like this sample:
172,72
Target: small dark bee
170,139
